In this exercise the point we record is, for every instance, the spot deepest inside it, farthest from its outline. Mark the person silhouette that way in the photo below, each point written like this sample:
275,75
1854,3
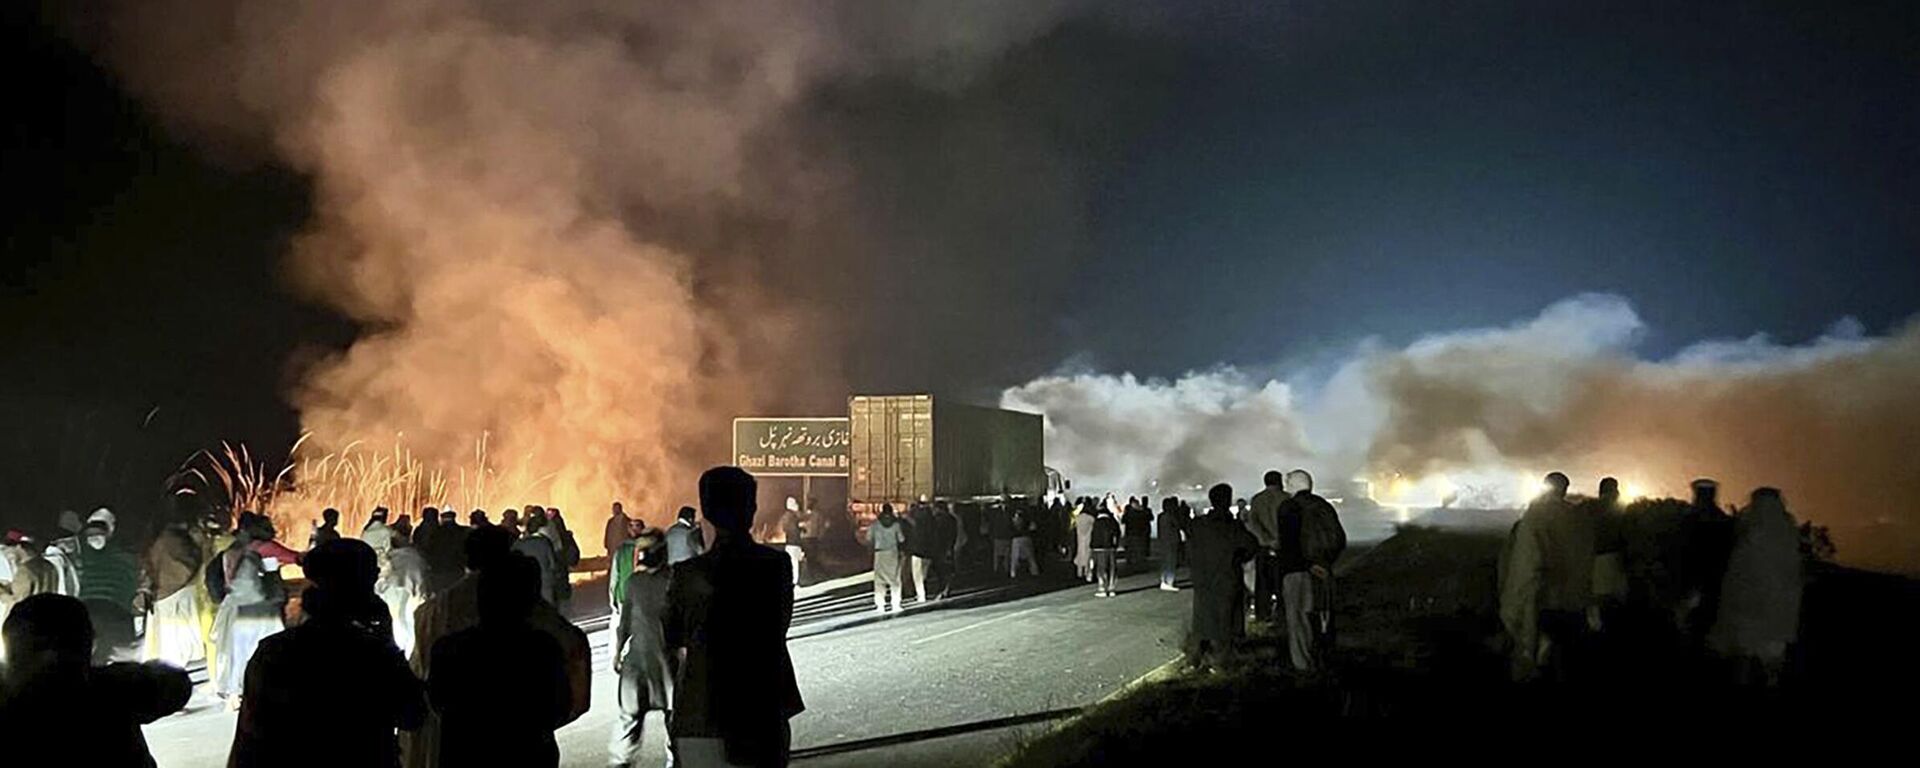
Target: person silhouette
339,668
494,712
727,616
327,530
56,706
639,652
458,608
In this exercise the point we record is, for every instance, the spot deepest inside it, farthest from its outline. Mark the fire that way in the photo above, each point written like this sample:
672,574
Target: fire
1478,488
360,477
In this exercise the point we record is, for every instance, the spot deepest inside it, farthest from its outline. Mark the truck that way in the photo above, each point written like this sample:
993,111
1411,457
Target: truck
905,447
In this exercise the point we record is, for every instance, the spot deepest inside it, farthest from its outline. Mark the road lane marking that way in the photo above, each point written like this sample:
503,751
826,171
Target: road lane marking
975,625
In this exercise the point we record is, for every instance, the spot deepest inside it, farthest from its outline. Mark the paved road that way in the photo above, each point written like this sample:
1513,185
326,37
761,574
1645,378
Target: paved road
923,670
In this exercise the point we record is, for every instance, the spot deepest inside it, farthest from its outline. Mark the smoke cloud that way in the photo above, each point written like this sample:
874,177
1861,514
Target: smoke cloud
1830,421
578,235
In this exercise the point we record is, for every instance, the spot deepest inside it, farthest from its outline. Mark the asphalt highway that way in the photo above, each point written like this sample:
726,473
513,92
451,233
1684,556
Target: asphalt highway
984,656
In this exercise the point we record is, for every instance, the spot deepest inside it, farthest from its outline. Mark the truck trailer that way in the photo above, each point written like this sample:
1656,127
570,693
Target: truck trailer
905,447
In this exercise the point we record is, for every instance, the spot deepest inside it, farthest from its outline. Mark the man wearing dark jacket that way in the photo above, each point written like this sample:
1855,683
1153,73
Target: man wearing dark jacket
1217,547
52,699
1706,541
1105,545
1262,521
924,545
494,712
1137,528
540,549
446,552
1306,577
946,525
999,524
727,616
338,668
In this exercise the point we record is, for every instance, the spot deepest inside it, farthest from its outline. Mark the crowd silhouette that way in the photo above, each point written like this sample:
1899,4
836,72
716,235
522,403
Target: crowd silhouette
445,644
436,645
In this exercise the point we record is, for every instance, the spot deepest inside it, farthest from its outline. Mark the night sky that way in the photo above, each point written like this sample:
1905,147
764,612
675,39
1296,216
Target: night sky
1253,186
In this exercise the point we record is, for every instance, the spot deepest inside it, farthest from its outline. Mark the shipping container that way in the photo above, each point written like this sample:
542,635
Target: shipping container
908,446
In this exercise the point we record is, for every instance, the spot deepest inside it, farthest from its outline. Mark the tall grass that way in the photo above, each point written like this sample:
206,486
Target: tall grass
355,479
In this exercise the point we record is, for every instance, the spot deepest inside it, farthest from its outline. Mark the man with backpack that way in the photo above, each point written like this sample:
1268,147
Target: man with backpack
1311,539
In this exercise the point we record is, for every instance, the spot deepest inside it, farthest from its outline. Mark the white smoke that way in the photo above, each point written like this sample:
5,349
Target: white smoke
1831,421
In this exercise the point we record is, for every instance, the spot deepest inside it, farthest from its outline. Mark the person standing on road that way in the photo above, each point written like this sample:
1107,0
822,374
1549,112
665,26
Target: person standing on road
953,540
645,670
62,552
458,607
1022,545
566,550
32,574
169,600
1137,527
618,531
888,538
446,552
540,550
335,668
1106,545
1218,546
684,538
53,699
402,586
727,616
1173,542
923,545
376,533
623,559
999,528
1083,539
1059,531
248,614
494,712
1262,521
109,577
790,538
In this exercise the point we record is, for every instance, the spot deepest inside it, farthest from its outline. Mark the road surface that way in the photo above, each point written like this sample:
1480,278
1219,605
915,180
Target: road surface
926,669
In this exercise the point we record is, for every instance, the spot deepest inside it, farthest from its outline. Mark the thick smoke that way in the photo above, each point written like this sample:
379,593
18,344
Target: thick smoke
558,222
1832,422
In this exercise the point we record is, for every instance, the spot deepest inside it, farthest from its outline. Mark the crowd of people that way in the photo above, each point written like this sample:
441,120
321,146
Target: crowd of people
439,644
935,543
1715,592
1270,560
1586,590
410,640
